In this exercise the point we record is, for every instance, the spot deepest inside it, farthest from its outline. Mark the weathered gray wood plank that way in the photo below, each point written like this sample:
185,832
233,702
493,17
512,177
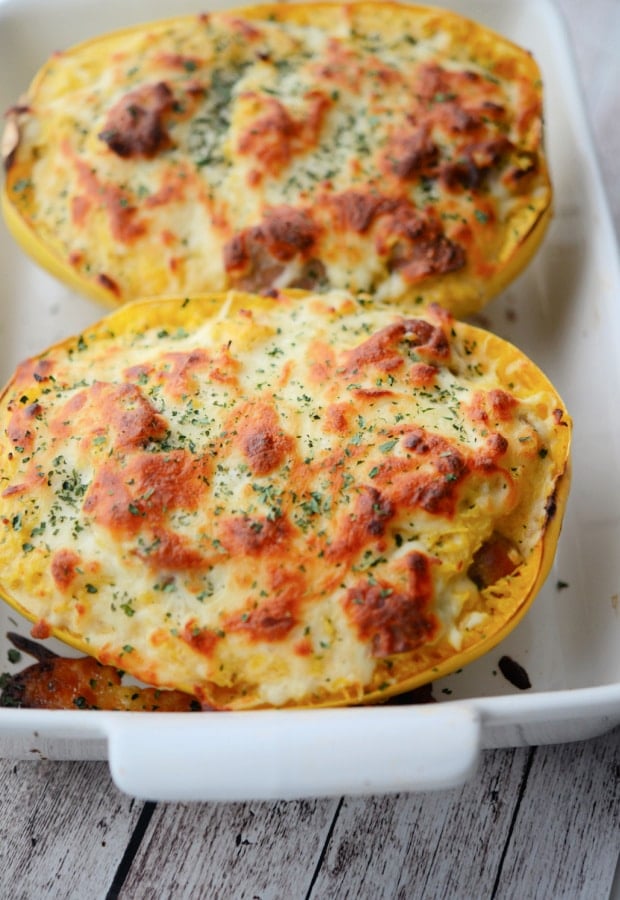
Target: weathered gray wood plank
63,830
427,846
514,823
566,838
220,851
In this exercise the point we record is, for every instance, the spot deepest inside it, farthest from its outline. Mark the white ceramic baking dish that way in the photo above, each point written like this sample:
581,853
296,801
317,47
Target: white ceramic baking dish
565,313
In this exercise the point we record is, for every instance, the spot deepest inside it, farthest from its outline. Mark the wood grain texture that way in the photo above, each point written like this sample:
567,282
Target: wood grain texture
566,839
244,850
540,822
426,845
63,829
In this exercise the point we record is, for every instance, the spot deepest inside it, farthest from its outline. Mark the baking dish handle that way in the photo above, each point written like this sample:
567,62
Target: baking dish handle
282,755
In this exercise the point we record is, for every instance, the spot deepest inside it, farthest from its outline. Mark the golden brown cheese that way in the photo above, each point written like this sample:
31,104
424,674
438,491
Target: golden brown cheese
305,499
374,147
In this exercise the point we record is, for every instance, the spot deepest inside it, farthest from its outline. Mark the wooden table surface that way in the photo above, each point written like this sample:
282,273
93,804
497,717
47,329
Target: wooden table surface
533,822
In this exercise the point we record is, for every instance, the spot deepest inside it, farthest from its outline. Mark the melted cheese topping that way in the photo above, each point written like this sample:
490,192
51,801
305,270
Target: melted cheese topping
391,149
276,501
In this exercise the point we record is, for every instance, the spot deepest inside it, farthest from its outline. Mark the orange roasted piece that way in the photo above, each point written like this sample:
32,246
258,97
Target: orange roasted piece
58,682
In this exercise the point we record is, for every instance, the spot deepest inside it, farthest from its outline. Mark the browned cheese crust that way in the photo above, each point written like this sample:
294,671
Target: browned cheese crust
374,147
273,502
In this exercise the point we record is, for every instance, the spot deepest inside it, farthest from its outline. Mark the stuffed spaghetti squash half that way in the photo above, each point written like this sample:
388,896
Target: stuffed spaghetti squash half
377,147
309,499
